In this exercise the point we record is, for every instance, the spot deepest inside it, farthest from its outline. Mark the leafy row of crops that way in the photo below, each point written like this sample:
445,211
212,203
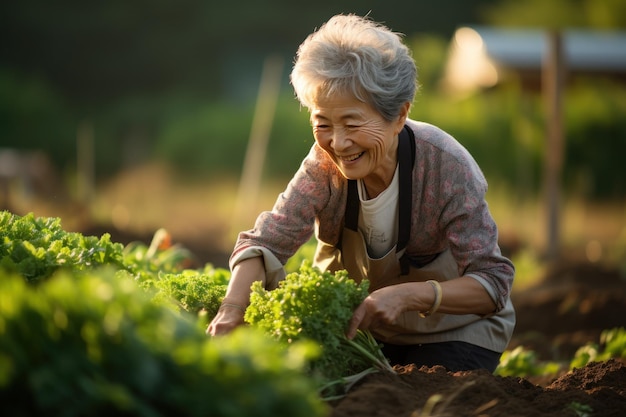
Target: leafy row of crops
87,328
90,326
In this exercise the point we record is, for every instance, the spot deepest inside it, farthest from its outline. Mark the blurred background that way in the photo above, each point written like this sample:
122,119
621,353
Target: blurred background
128,116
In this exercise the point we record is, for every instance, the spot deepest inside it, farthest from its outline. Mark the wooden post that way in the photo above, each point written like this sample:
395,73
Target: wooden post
85,155
250,181
553,74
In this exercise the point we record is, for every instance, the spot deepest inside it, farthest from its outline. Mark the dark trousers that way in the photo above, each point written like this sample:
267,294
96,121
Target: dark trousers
454,356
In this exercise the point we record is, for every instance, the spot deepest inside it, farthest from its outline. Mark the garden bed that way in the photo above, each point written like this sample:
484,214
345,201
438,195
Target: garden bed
599,389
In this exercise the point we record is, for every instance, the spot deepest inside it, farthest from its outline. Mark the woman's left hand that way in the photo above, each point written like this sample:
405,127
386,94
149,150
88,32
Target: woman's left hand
383,306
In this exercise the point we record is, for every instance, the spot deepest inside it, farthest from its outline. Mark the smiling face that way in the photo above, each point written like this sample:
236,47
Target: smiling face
358,139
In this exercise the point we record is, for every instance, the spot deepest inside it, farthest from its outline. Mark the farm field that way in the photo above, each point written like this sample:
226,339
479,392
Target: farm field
560,306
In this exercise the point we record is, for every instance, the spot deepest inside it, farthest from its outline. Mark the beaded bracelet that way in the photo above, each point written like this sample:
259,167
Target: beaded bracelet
438,296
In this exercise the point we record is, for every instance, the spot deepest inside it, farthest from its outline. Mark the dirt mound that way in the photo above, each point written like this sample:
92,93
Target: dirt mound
598,389
569,307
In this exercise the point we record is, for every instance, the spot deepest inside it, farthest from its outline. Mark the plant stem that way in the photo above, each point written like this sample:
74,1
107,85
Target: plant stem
347,383
366,346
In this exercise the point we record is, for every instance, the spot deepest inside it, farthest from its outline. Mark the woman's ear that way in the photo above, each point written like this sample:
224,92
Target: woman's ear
404,114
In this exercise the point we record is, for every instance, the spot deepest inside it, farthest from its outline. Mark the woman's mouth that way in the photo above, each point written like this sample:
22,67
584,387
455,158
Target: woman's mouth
350,158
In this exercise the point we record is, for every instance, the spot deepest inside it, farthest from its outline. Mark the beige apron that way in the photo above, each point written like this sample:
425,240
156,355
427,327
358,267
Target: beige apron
386,271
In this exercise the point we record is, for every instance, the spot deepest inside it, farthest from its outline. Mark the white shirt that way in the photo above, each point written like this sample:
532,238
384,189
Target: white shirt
378,218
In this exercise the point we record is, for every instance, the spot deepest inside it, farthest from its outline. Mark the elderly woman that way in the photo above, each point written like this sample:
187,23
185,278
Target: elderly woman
392,200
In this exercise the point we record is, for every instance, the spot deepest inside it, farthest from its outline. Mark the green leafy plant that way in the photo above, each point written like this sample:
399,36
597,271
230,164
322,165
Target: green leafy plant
161,268
160,256
199,292
522,362
89,343
317,306
36,247
612,345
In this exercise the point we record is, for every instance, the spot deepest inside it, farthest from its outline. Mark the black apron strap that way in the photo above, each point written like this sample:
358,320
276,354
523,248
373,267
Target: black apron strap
352,206
406,159
406,156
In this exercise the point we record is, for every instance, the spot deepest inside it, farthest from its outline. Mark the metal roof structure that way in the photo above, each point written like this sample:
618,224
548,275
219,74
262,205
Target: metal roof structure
480,56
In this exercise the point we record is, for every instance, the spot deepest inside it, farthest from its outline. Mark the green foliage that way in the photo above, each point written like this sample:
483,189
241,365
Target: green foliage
210,138
612,345
595,130
197,292
535,13
148,262
523,363
529,268
207,138
165,82
161,268
38,247
430,54
34,116
605,14
90,343
317,306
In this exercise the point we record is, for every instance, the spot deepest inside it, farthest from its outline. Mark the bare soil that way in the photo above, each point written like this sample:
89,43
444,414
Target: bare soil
600,386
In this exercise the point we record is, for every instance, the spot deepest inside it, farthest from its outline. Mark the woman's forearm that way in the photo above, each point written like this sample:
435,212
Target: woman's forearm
463,295
233,308
244,274
466,296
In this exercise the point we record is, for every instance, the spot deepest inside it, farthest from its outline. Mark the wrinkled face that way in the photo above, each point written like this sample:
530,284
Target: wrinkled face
357,138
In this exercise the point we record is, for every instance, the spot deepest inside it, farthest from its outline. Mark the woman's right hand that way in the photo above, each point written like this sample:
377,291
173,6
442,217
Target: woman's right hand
226,320
237,298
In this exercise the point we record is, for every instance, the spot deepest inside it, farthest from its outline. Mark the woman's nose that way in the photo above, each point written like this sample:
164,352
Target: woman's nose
340,139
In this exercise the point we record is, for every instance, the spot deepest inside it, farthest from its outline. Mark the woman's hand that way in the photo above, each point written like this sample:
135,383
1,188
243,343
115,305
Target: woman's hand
383,306
226,320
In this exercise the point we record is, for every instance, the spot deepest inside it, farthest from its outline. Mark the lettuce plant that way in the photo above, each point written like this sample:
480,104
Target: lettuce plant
313,305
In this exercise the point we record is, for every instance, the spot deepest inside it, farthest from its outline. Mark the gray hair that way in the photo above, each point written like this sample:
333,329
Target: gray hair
353,54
